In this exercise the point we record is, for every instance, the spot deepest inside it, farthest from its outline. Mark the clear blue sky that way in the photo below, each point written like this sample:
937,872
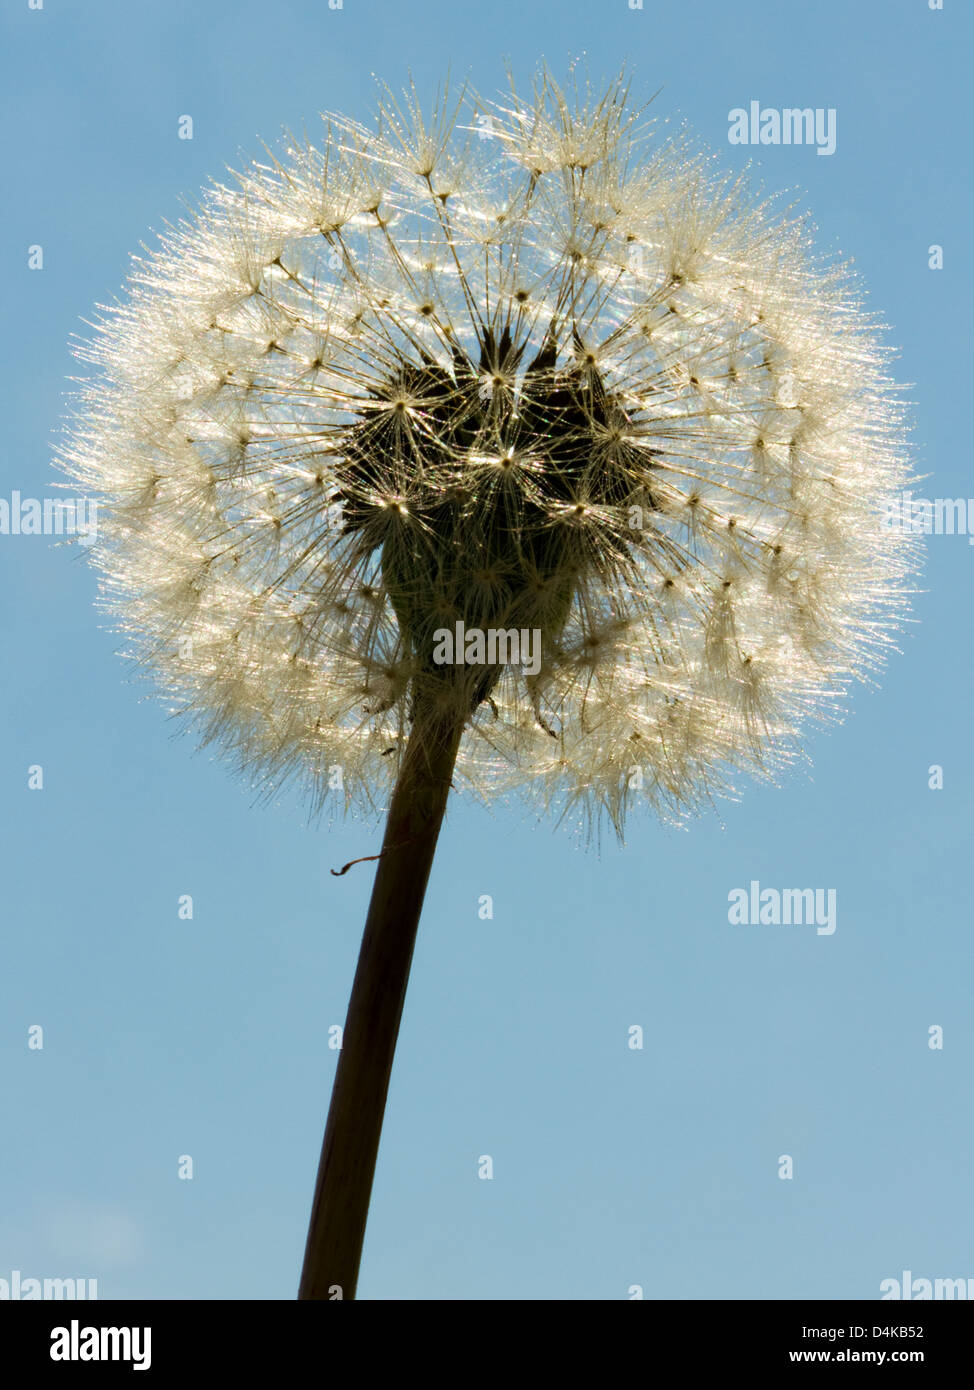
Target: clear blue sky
163,1037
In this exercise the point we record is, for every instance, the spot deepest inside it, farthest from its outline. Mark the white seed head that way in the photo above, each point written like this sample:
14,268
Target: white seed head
565,379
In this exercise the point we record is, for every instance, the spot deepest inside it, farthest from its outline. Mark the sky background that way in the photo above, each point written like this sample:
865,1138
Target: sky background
209,1037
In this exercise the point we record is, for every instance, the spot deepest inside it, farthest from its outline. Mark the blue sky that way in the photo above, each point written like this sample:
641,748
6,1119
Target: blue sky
164,1037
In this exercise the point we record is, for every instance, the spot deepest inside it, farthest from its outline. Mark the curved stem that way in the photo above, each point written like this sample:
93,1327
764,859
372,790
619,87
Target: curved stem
351,1143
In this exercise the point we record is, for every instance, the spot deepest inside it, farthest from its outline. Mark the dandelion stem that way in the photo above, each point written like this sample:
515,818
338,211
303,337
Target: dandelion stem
351,1143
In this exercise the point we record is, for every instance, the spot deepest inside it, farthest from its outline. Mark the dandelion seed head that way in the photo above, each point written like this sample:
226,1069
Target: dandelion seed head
567,379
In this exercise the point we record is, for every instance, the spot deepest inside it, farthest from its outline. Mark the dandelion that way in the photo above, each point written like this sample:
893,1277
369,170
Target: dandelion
519,369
